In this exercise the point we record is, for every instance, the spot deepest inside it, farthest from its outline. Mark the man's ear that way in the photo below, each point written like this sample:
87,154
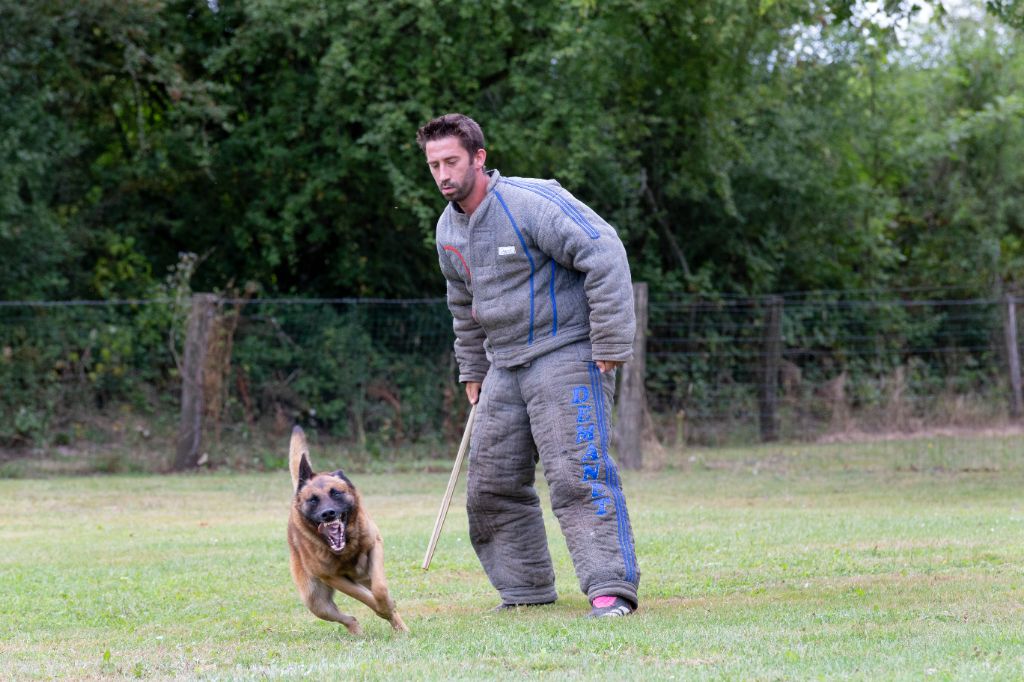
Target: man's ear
479,158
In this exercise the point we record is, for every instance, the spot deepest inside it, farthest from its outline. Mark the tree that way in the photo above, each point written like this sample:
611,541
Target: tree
106,126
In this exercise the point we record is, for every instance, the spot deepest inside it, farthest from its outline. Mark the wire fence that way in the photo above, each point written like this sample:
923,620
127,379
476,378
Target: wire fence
878,364
716,370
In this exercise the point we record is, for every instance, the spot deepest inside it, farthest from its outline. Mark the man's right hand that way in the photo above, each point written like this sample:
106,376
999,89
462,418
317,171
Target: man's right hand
473,391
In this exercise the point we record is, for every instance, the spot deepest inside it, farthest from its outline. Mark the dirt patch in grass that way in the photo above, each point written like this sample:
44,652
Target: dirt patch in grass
860,436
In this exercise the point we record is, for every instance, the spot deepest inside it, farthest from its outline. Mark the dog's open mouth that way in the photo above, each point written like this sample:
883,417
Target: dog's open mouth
334,533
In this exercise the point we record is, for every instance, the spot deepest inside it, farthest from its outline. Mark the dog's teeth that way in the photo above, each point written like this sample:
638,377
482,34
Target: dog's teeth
334,533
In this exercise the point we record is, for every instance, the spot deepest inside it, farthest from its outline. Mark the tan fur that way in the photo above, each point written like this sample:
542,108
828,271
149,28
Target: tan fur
297,447
358,570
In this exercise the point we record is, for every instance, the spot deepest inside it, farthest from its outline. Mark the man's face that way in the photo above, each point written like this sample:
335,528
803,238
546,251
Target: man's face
454,171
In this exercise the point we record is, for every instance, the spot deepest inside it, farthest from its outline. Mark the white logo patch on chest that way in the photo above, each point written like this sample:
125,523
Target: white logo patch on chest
506,250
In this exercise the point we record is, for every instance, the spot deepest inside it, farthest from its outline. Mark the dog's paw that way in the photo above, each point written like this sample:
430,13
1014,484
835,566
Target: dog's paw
354,628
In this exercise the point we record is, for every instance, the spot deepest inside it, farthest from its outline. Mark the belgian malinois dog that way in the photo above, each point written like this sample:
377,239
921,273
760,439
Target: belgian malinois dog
334,544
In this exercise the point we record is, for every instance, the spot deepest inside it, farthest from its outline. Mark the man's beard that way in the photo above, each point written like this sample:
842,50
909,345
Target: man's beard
462,189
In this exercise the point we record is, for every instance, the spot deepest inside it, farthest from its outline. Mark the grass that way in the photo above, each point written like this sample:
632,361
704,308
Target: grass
890,560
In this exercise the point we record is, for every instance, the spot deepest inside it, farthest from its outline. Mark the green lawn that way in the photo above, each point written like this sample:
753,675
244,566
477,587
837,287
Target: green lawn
896,560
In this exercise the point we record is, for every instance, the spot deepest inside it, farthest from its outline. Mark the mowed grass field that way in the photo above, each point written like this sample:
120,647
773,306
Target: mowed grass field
889,560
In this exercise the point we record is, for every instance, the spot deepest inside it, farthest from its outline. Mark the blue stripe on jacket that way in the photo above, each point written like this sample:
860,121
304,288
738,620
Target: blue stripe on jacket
533,268
554,303
567,208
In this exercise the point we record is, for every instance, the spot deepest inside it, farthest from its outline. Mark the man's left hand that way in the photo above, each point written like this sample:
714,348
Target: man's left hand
607,365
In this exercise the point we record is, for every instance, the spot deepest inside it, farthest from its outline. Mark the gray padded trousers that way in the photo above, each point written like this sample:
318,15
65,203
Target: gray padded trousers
556,409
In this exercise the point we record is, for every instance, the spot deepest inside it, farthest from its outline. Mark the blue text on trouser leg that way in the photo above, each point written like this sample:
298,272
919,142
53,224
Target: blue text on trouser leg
590,460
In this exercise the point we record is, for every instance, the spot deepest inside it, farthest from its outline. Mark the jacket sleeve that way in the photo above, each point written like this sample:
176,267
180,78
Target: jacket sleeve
578,238
469,335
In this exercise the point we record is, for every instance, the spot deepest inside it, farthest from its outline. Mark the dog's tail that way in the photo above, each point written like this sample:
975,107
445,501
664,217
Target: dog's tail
297,449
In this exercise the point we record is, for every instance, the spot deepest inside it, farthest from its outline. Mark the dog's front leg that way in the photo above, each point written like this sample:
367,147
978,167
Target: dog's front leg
319,599
357,591
379,588
354,590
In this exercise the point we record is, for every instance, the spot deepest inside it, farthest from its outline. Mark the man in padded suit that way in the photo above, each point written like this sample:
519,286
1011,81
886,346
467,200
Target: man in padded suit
542,305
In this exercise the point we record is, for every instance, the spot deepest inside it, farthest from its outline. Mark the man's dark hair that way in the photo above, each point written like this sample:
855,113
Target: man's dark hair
452,125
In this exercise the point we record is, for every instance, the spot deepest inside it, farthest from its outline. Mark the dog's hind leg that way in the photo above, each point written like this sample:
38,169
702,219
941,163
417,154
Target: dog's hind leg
319,599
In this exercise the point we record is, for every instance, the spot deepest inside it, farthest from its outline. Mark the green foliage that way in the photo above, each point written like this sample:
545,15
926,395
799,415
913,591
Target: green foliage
33,243
959,220
102,125
1009,11
742,147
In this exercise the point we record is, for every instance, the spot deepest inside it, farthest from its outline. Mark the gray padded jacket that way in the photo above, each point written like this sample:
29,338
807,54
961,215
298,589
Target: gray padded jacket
531,270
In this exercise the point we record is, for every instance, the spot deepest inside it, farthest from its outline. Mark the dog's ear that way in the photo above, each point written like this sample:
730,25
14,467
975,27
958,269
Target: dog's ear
305,472
341,474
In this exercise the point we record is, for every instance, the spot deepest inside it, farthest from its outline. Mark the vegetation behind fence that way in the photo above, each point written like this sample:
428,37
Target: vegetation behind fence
383,371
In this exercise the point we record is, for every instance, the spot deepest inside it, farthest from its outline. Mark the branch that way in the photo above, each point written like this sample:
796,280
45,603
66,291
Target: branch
666,227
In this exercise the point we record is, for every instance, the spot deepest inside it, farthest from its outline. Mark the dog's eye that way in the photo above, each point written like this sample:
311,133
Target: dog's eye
336,494
313,499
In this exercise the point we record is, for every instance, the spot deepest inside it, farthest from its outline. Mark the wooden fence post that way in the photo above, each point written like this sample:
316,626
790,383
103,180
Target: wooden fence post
1013,357
632,396
771,360
197,341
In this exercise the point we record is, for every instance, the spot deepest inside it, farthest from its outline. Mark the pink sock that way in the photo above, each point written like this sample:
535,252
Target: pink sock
602,602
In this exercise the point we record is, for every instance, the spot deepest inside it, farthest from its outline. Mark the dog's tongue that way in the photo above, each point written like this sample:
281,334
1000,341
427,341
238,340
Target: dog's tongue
334,533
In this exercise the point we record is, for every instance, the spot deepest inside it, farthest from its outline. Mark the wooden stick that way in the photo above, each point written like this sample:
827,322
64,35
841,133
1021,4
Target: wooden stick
452,480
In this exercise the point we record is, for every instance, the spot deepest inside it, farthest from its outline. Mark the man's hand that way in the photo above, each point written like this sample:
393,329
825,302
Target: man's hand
473,391
607,365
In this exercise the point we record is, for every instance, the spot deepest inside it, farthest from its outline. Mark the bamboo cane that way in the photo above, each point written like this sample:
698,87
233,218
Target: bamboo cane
452,480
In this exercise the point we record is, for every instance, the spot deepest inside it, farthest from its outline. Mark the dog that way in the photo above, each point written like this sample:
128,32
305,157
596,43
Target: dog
333,543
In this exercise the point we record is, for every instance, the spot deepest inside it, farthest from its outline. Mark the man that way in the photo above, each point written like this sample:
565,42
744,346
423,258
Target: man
542,306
